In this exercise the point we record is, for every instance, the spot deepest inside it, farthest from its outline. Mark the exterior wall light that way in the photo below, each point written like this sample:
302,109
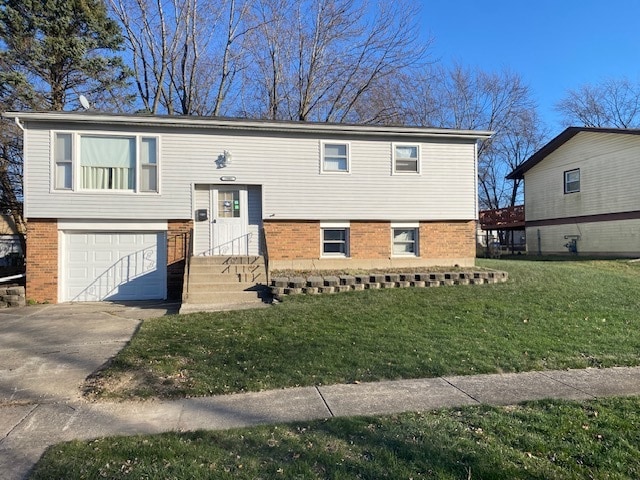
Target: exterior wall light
225,159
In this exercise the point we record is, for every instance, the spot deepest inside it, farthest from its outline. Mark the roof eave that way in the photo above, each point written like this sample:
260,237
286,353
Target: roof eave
566,135
243,124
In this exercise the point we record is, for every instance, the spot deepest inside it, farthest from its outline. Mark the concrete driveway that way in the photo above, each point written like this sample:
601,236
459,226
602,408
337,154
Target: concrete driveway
47,351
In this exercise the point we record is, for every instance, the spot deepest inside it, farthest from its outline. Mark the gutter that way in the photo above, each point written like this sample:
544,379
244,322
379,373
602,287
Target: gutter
16,119
249,125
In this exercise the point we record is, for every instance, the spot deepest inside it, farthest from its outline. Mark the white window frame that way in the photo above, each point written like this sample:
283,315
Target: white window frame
394,170
323,144
76,177
347,241
56,162
567,182
415,226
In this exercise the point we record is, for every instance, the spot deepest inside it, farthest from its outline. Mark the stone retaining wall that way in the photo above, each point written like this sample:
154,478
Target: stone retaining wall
333,284
12,296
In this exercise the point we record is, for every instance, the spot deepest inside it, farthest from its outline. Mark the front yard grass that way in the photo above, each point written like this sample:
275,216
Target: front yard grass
549,315
536,440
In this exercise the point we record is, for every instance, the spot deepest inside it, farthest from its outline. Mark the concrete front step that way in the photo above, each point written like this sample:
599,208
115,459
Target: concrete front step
228,260
256,269
200,278
220,287
224,297
226,280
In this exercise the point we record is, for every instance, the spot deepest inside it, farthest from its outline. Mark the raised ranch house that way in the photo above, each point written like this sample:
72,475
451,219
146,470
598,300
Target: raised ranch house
111,200
582,193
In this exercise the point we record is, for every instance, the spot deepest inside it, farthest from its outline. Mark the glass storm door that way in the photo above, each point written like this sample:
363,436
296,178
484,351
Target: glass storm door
229,220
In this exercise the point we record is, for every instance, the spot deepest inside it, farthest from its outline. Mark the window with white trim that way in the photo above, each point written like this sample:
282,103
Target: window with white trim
572,181
335,157
335,241
405,241
406,158
63,161
105,162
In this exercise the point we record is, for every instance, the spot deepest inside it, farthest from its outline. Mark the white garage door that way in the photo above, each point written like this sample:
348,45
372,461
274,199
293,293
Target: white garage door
114,266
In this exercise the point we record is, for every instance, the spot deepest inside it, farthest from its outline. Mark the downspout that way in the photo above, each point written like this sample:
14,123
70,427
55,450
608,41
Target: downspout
17,122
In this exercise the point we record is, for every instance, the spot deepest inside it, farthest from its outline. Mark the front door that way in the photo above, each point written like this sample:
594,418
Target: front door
229,220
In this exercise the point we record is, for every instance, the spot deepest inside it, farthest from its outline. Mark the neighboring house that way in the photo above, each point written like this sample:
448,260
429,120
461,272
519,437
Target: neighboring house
10,249
110,200
582,193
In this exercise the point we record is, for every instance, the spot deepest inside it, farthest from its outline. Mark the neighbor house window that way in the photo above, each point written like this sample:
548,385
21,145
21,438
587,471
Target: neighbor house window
105,162
572,181
335,239
406,158
63,169
335,157
405,240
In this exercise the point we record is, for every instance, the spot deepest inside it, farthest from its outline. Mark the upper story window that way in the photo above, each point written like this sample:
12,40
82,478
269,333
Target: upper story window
63,170
105,162
572,181
406,158
335,157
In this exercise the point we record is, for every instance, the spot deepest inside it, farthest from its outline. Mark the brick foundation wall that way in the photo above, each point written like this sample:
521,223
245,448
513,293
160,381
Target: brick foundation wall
292,244
42,260
370,240
178,239
448,239
292,240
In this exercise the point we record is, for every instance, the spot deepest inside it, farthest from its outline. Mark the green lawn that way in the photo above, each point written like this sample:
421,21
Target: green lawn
538,440
549,315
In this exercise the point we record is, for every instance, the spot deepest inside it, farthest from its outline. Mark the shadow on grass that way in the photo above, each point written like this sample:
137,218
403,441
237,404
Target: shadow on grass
364,447
563,258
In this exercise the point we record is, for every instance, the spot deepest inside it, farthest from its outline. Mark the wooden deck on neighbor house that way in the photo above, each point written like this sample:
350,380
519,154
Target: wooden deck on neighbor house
509,218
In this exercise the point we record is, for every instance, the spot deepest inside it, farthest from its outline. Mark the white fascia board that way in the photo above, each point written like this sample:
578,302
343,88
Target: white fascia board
245,125
113,225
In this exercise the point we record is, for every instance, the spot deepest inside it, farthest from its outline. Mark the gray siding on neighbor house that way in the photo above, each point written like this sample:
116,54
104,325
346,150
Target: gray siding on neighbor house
595,215
609,177
285,164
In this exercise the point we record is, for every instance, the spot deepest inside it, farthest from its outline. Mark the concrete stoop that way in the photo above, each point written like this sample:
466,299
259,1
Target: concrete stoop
219,282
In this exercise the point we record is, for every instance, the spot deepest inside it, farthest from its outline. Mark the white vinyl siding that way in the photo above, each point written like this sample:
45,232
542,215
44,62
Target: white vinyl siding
608,180
285,165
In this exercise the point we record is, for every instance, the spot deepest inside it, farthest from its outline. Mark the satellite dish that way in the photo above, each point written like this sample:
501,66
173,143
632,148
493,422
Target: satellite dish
84,102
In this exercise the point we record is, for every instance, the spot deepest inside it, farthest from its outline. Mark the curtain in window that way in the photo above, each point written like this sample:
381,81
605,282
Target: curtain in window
108,162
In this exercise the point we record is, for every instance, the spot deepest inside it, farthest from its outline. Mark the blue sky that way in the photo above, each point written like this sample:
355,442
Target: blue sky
555,45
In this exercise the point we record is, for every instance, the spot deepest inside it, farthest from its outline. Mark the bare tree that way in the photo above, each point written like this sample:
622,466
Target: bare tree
51,52
467,98
321,60
520,139
185,53
610,103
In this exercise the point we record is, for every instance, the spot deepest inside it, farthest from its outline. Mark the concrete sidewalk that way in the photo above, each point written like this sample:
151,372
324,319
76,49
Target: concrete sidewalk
27,430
